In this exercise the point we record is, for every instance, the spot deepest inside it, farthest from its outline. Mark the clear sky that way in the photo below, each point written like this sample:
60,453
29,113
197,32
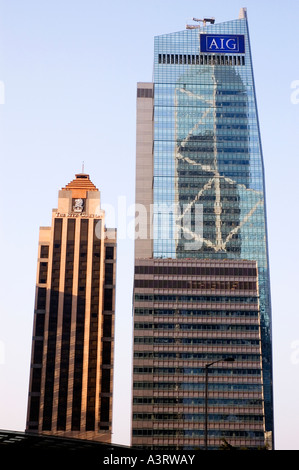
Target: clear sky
68,74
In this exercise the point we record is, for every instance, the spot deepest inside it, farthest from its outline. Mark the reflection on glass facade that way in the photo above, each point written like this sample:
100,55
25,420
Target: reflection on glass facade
208,188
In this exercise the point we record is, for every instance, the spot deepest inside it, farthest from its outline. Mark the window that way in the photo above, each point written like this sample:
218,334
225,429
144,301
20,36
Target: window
44,251
144,93
109,252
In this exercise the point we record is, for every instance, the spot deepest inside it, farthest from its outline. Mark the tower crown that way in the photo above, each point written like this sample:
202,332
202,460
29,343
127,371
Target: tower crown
80,196
80,185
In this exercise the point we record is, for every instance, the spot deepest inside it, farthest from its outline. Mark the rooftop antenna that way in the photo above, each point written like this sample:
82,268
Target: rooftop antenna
204,21
82,167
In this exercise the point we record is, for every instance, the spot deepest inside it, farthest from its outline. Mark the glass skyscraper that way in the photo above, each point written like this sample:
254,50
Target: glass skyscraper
200,164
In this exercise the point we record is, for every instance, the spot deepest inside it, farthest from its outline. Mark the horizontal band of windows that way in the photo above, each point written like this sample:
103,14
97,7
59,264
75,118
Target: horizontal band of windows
179,356
198,313
188,173
233,163
217,104
169,132
145,93
198,141
198,417
186,284
225,114
201,59
193,298
241,402
197,433
202,341
196,270
188,197
169,83
228,194
194,371
194,327
209,150
198,386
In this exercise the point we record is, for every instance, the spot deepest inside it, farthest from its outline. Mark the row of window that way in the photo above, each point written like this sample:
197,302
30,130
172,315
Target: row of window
202,59
202,341
196,270
198,313
198,417
216,387
193,298
200,285
241,402
196,433
220,149
145,93
194,371
177,356
235,105
203,86
194,327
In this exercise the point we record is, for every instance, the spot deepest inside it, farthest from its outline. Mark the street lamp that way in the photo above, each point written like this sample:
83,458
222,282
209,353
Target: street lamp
227,359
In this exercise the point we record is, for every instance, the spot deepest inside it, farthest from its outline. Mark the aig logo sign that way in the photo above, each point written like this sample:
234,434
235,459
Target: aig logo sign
222,43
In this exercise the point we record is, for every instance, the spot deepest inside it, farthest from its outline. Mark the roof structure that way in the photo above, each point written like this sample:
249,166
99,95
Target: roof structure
19,446
80,185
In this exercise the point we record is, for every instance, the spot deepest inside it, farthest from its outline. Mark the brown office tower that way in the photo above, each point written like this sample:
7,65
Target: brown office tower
71,374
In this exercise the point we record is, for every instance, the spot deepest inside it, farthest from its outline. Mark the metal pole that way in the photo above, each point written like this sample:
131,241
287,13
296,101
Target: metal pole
206,408
227,359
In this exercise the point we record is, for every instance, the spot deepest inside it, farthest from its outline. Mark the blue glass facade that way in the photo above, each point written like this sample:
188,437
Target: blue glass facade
209,194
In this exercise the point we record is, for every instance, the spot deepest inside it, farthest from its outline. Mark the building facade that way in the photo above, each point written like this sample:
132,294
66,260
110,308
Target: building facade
71,374
199,165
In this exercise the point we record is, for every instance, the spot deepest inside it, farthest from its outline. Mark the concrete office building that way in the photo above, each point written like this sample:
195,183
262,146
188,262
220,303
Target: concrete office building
71,374
200,198
188,313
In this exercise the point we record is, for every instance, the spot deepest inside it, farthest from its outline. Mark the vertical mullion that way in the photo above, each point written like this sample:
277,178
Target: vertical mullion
80,321
52,328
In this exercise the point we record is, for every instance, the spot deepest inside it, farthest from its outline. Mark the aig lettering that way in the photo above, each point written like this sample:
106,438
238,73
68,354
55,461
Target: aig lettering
222,44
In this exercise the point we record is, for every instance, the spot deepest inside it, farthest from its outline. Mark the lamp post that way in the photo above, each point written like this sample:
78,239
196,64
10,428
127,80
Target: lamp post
227,359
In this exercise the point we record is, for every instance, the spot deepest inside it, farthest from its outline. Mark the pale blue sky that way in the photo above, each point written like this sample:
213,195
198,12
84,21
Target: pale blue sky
70,69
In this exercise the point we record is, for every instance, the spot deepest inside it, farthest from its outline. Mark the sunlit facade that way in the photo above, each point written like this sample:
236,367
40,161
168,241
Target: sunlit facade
71,371
207,186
